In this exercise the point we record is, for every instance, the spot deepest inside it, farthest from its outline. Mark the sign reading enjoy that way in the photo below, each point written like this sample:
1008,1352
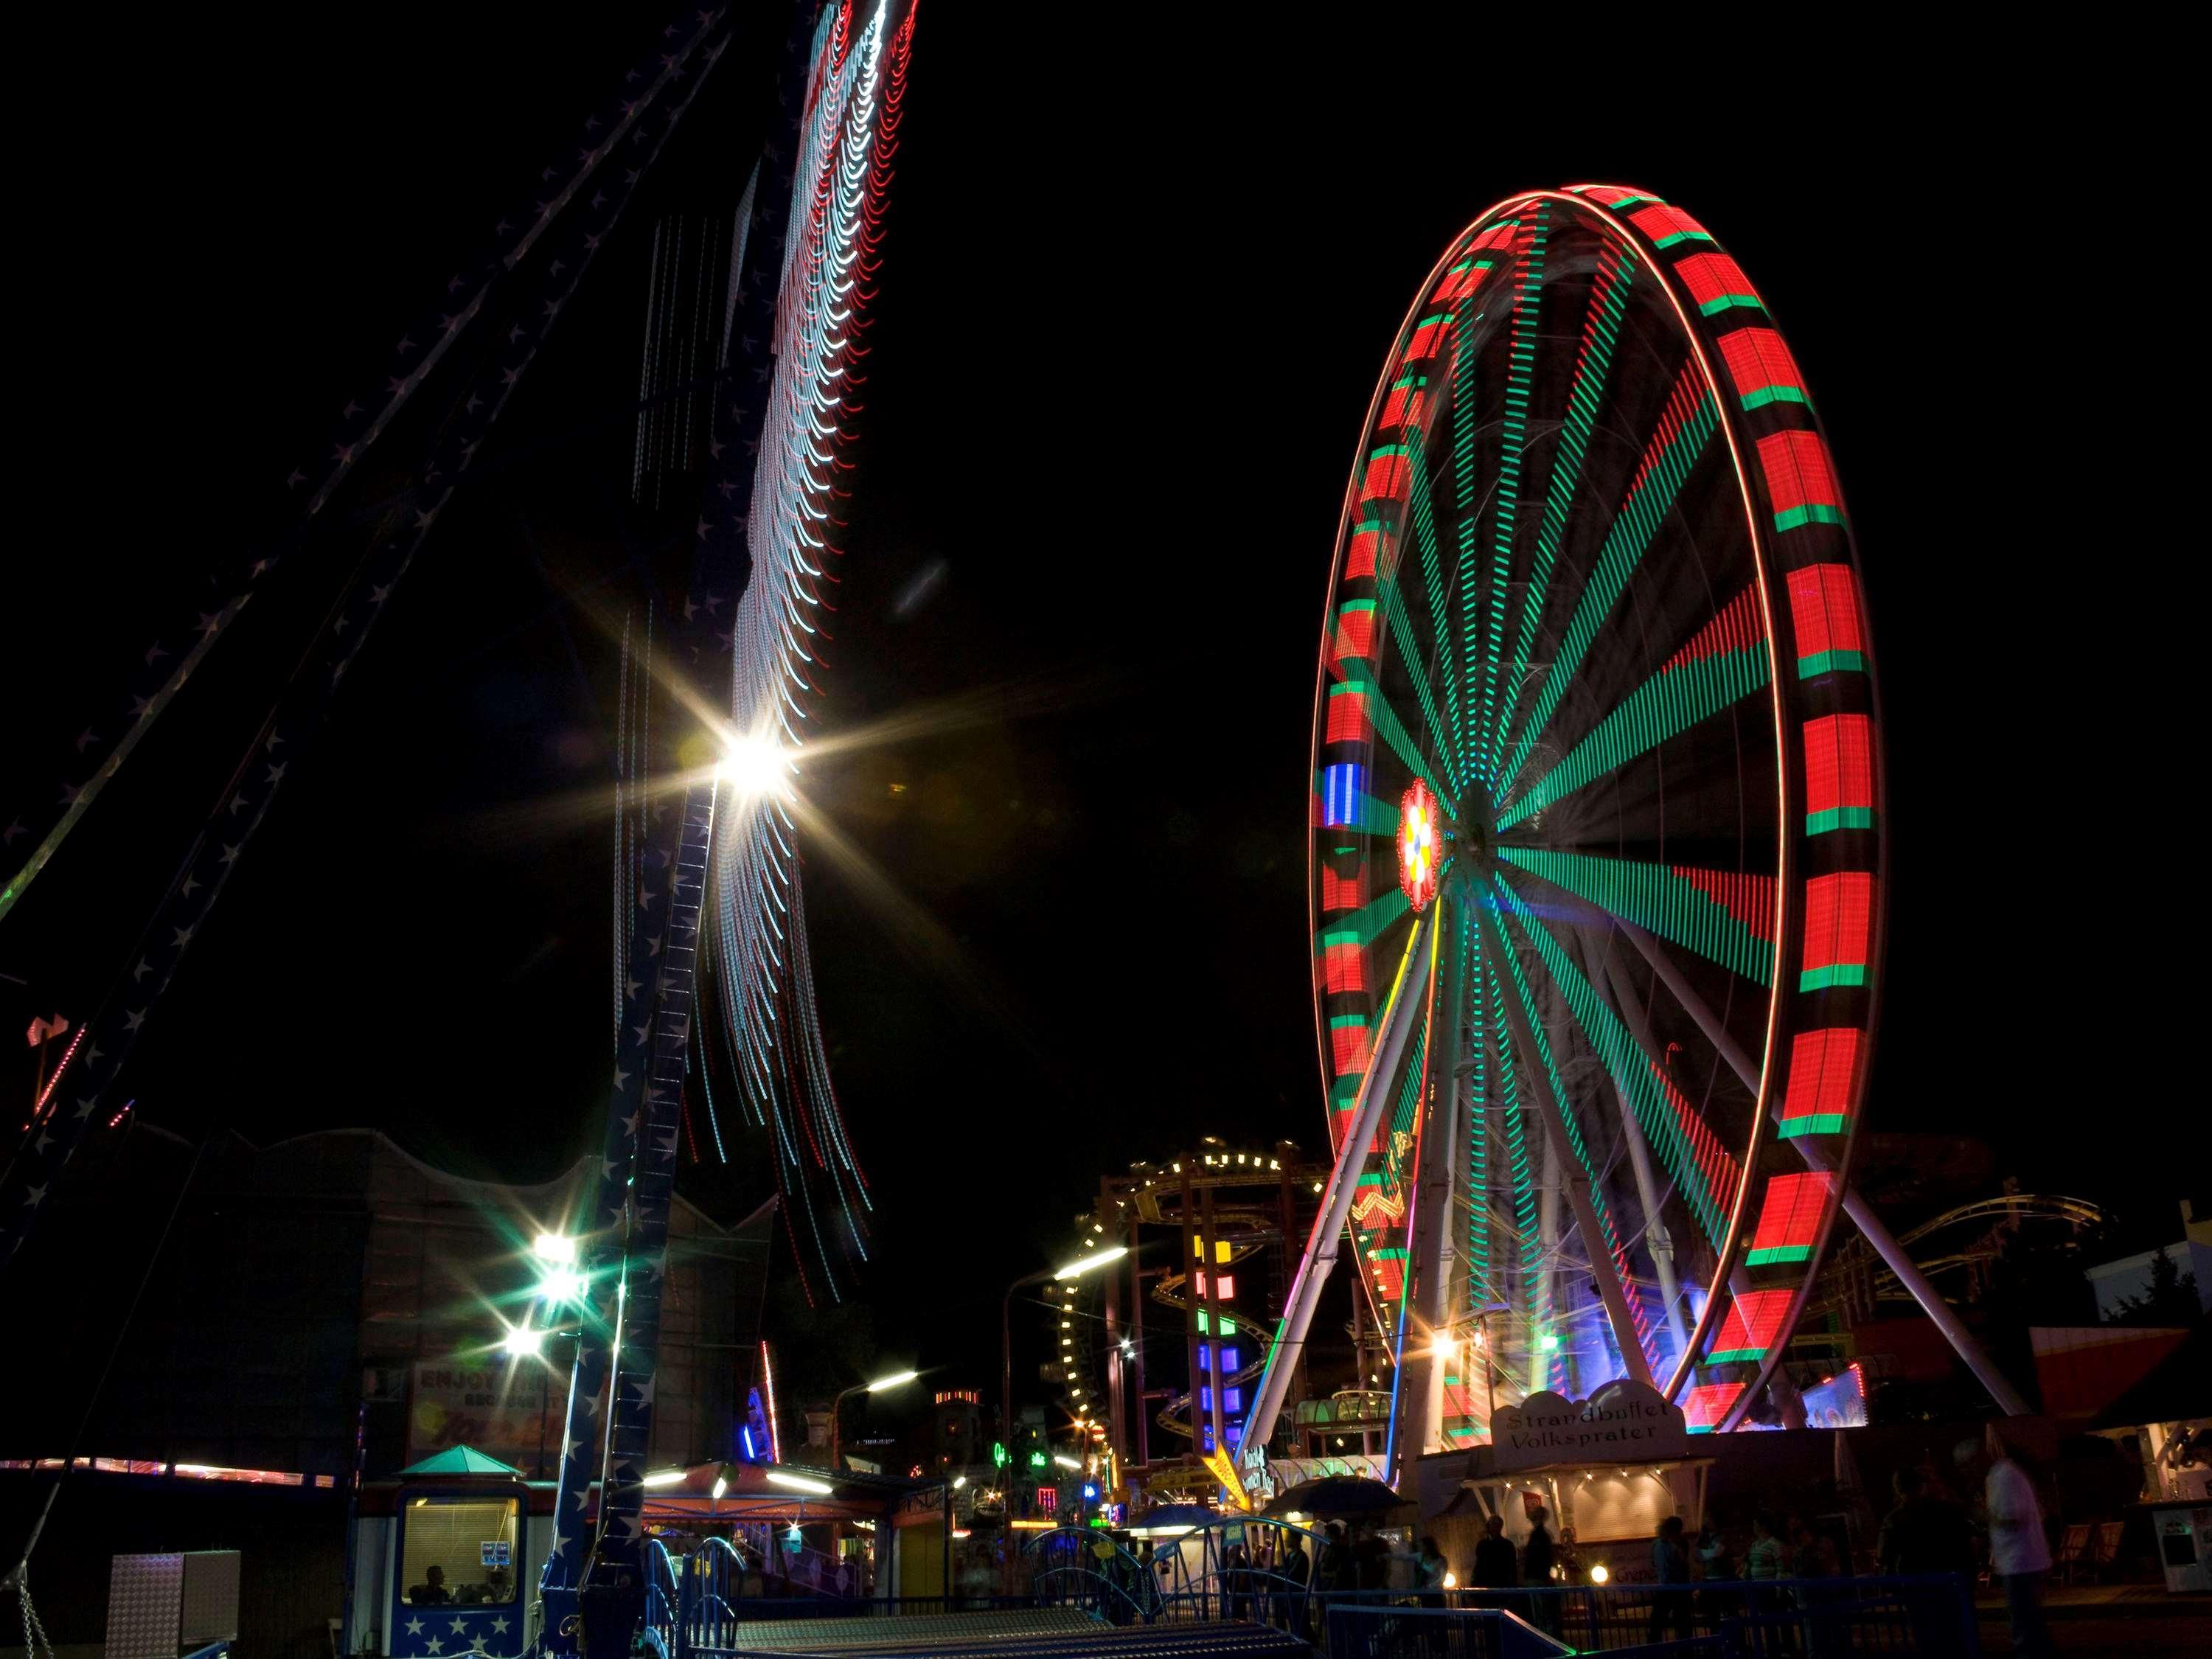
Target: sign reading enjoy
1623,1422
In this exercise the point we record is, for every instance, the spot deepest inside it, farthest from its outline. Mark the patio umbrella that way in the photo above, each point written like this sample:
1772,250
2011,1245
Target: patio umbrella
1339,1497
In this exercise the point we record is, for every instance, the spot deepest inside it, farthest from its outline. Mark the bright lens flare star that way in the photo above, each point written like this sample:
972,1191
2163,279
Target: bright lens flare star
755,766
1420,844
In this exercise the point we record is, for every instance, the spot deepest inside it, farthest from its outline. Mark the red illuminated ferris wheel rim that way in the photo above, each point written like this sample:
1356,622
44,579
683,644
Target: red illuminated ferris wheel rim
1806,905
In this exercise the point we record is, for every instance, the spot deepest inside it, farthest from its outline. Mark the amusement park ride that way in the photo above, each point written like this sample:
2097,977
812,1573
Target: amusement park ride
1597,847
708,868
1597,838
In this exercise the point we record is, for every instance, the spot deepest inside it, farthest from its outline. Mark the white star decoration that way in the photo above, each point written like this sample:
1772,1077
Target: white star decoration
414,1626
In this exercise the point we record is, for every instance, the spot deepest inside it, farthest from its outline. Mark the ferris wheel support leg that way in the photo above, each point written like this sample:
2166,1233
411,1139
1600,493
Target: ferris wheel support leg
1399,1014
1601,1265
1884,1242
1421,1372
1787,1399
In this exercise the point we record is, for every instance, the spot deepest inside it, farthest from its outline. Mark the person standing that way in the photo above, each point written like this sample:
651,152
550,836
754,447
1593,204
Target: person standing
1717,1566
1296,1568
1370,1560
1670,1572
1765,1559
2020,1553
1429,1574
1237,1581
1923,1533
1538,1557
1496,1566
1332,1573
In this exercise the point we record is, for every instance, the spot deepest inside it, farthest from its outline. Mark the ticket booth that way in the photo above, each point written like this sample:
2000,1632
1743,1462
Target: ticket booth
1608,1469
450,1567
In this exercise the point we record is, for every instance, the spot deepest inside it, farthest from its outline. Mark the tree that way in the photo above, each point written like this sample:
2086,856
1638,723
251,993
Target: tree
2171,1299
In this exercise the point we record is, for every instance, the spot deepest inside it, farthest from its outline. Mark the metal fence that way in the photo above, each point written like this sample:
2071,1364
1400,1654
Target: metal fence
696,1605
1371,1631
1803,1618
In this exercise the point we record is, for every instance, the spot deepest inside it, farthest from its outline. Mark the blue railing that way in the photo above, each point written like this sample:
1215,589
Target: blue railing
1813,1618
1239,1569
664,1597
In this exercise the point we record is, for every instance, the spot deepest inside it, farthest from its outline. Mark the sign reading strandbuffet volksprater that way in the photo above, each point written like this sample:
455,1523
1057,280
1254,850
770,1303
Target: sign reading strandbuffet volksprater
1623,1422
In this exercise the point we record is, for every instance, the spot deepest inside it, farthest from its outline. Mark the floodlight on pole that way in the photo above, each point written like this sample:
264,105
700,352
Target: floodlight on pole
1076,1269
797,1482
896,1379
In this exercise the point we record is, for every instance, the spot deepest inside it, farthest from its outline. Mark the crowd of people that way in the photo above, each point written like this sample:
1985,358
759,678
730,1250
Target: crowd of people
1272,1574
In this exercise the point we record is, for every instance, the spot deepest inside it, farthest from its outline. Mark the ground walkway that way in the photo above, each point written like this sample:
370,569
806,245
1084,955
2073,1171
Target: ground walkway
1032,1632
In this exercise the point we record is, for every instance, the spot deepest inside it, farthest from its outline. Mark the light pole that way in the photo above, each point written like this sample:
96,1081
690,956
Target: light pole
896,1380
1072,1270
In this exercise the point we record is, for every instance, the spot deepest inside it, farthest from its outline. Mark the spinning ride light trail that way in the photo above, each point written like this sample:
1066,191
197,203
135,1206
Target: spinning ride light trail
1596,708
726,899
849,135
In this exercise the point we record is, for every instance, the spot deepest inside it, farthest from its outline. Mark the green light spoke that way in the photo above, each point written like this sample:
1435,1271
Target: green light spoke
1384,718
1639,521
1536,1279
1464,495
1611,1240
1481,1291
1671,702
1433,585
1609,301
1656,900
1631,1072
1521,365
1401,635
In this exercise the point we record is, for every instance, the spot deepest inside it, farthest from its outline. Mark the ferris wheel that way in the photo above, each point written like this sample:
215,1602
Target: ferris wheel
1597,838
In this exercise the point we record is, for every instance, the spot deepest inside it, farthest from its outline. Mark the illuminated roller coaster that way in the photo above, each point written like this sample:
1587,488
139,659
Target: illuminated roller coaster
1597,837
1216,1289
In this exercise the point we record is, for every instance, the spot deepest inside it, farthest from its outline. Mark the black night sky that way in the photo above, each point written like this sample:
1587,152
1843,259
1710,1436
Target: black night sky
1138,283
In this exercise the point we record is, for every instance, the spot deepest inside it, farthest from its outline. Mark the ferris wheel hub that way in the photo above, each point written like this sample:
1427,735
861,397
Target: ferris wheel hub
1434,845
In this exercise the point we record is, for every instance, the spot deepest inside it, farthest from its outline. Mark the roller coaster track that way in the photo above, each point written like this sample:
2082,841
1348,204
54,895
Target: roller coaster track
1999,1219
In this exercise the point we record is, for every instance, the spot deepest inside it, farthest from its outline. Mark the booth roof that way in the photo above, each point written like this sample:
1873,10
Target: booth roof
459,1459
